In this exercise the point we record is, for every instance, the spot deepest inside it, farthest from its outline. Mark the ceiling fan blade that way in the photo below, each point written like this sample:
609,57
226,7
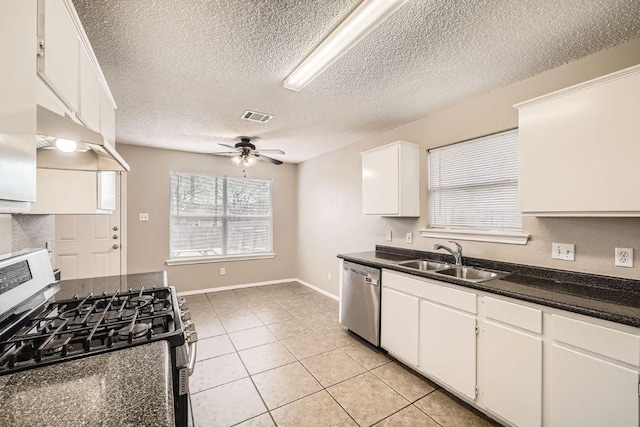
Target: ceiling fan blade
225,153
267,159
270,150
228,146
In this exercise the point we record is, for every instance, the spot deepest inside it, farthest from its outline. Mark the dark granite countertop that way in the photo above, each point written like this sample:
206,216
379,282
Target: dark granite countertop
604,297
110,284
130,387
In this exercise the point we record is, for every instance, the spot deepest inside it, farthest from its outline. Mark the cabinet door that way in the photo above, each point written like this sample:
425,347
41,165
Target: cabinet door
512,374
89,92
586,391
380,181
107,117
590,133
399,325
59,64
448,346
17,106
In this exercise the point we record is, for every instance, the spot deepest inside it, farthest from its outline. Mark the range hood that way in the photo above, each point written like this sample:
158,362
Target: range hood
93,153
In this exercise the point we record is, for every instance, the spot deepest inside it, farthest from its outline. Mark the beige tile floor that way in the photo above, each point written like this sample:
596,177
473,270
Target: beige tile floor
277,355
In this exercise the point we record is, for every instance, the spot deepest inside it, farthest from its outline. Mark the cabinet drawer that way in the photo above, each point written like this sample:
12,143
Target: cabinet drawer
424,288
598,339
523,317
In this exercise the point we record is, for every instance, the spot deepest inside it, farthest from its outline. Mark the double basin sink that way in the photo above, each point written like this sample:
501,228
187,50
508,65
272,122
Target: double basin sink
470,274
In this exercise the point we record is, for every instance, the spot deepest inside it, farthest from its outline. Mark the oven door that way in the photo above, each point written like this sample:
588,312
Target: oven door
185,360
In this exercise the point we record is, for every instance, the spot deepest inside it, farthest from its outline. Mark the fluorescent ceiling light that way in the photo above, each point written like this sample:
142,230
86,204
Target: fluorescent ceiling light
364,19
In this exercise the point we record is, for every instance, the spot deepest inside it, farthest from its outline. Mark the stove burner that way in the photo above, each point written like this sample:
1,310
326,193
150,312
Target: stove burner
142,300
139,329
112,316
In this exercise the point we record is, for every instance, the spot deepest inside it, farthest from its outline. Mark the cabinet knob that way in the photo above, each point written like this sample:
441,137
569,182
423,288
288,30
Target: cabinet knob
116,246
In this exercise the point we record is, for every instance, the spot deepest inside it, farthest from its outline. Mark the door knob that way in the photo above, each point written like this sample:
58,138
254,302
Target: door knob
115,228
115,236
116,246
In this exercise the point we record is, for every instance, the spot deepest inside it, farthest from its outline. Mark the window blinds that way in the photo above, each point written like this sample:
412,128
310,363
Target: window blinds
474,184
219,216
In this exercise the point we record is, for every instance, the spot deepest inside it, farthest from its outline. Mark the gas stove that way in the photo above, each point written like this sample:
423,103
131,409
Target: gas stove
38,330
67,329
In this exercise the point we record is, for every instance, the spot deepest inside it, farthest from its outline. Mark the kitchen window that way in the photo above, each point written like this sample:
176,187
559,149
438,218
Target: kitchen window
473,190
220,218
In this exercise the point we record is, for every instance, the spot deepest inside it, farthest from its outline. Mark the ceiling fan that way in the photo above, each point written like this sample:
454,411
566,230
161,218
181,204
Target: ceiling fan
245,153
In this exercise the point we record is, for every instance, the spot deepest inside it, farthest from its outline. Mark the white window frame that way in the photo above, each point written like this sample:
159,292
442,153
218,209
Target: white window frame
473,232
225,216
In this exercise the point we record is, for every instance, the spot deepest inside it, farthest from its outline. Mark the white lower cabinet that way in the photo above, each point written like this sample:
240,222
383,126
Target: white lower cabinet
512,374
594,379
399,325
577,371
448,346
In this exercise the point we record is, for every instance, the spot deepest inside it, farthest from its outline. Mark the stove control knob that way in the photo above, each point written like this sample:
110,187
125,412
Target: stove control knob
192,336
189,327
182,303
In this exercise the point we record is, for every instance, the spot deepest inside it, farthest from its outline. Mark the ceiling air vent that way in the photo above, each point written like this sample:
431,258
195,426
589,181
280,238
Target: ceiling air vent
256,117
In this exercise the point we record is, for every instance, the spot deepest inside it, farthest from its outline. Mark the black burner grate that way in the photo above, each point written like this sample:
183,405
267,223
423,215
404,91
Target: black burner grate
79,327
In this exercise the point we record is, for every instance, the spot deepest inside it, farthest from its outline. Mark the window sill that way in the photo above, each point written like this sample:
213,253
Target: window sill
508,237
212,259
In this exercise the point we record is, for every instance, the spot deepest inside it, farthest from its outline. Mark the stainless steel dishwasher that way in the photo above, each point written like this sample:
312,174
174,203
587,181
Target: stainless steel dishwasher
361,301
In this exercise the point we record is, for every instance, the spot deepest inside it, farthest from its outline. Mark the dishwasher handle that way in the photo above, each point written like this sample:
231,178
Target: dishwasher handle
371,278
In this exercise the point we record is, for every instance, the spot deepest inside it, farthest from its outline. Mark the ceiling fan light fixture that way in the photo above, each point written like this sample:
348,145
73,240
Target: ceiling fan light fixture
243,160
248,161
364,19
236,160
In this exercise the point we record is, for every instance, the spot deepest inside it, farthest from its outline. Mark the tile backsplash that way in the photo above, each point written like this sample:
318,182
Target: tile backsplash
32,231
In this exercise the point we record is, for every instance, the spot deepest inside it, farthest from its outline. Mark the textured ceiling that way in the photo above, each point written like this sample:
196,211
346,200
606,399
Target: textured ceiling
183,72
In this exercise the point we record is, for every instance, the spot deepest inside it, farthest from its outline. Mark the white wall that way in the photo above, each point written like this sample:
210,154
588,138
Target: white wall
148,190
330,218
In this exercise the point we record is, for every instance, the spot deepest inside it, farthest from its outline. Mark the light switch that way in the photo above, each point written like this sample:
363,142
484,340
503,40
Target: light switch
143,217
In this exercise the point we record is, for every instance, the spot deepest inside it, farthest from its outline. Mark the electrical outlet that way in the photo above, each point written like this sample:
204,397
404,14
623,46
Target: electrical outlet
328,276
409,237
222,271
143,217
624,257
563,251
388,235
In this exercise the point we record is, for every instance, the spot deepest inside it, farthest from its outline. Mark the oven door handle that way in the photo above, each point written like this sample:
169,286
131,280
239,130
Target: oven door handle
193,347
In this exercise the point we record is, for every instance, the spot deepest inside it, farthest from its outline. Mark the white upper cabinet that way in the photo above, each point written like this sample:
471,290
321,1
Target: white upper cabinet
579,149
391,180
73,82
90,91
59,47
17,106
63,192
107,117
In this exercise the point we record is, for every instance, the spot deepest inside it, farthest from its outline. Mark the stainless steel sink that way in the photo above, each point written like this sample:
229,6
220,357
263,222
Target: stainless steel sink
424,265
472,274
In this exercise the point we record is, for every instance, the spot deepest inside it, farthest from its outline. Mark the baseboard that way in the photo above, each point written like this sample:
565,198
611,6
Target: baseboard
250,285
315,288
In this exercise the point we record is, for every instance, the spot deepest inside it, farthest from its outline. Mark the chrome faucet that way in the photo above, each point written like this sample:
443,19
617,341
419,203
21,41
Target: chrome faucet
456,254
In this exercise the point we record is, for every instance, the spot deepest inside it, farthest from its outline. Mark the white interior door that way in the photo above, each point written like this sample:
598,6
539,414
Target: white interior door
90,245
